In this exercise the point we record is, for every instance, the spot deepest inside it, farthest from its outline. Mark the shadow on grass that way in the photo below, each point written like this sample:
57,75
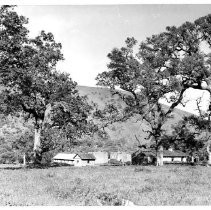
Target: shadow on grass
32,166
142,169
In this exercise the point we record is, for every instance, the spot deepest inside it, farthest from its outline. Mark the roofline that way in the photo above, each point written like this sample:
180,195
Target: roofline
85,158
62,159
154,153
65,154
175,155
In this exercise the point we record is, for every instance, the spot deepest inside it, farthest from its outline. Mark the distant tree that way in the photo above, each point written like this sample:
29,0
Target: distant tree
165,66
202,126
185,138
23,146
32,84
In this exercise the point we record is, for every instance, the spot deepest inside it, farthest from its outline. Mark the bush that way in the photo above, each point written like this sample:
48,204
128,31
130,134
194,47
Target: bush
115,162
20,158
108,199
142,169
128,163
7,157
47,157
54,164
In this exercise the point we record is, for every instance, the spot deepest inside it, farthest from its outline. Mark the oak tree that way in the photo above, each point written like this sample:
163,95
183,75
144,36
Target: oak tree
165,66
32,85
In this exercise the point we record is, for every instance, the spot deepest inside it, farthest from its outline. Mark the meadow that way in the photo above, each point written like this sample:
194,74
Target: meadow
106,185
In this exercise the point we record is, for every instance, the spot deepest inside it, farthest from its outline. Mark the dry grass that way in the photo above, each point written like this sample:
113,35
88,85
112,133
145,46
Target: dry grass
168,185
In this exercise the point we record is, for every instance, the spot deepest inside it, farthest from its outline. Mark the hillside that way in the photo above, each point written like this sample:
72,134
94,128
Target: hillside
123,134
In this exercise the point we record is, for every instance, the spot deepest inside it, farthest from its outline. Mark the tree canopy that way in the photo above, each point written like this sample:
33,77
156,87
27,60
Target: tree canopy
164,67
32,84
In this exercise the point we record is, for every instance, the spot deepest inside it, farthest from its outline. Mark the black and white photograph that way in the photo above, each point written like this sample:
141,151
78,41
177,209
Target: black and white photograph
105,104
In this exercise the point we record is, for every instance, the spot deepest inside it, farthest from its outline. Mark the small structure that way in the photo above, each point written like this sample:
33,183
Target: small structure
64,158
84,160
144,157
121,156
101,157
148,156
170,156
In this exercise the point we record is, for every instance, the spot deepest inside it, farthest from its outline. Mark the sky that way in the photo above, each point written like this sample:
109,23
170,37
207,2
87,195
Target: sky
89,32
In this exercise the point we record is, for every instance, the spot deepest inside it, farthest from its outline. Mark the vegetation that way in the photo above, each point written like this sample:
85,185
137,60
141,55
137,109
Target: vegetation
42,110
121,135
18,135
187,139
192,135
165,66
107,185
33,86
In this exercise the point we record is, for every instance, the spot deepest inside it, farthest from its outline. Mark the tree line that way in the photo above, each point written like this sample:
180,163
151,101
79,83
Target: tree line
164,67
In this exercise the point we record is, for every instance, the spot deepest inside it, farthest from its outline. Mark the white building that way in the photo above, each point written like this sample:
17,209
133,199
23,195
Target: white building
121,156
64,158
84,160
170,156
75,159
148,156
101,157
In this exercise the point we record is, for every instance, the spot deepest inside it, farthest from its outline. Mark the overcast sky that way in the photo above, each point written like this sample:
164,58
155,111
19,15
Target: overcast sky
89,33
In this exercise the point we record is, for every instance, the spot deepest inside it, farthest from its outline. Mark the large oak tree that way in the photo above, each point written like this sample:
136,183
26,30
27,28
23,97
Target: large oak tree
32,85
165,66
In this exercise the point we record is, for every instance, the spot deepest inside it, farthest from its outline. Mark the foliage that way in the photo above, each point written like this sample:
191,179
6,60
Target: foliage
114,162
185,138
32,83
107,199
165,66
7,157
16,138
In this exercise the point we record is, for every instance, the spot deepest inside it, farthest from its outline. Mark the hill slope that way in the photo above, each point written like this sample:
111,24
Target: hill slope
122,134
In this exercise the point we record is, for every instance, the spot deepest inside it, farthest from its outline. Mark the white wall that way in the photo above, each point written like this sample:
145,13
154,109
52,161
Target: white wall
101,157
78,162
63,161
124,157
167,159
175,159
91,163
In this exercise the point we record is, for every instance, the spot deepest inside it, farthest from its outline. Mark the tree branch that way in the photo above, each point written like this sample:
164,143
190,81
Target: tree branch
176,103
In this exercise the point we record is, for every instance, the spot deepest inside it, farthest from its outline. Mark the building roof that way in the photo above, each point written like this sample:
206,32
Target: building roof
64,156
86,156
174,153
166,153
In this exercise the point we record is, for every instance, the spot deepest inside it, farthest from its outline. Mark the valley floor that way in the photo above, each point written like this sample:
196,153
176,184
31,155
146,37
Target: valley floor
107,185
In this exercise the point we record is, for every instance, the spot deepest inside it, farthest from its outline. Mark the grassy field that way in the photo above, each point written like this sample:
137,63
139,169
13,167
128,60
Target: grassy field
168,185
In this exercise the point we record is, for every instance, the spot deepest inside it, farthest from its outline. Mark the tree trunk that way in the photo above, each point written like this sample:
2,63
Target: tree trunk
160,156
209,154
40,124
192,159
37,144
24,159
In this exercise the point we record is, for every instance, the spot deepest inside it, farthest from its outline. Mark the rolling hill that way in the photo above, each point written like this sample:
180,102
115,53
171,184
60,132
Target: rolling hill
121,135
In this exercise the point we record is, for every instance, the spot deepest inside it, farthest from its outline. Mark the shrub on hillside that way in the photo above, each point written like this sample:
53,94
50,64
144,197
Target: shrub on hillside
8,157
128,163
115,162
47,157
